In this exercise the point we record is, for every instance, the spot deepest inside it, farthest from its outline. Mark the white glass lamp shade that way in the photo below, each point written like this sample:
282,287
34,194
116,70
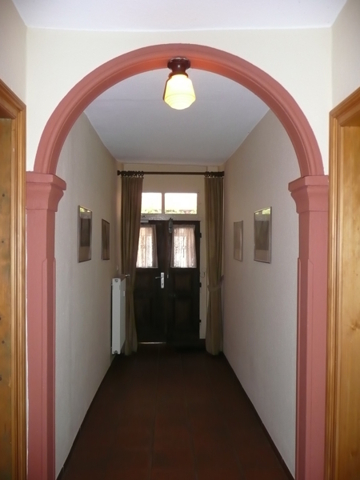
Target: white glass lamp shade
179,91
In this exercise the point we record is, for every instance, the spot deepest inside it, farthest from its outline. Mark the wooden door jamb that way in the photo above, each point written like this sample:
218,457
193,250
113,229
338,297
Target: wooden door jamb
345,115
11,107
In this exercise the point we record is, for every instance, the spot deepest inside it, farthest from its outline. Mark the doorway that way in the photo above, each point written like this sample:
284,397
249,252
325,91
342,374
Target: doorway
167,286
310,193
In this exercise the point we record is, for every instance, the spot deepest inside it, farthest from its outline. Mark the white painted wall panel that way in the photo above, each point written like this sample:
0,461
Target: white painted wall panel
345,47
260,298
12,49
83,290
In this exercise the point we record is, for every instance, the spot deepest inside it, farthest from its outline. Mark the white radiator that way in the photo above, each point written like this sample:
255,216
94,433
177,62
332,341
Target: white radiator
118,314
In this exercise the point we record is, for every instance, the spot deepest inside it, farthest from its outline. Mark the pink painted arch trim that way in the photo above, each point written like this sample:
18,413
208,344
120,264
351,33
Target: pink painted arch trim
202,58
310,195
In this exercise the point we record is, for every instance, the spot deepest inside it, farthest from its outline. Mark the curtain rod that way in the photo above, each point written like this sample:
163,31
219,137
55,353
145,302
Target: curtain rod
130,173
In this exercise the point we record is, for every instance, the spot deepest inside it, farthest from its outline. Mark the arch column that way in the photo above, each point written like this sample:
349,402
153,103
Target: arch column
44,192
311,197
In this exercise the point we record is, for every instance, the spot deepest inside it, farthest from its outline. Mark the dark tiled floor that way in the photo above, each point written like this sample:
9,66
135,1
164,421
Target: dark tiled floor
166,414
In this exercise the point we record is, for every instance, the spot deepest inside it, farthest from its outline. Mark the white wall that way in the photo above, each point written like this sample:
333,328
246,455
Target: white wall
12,49
182,183
260,298
345,50
299,59
83,290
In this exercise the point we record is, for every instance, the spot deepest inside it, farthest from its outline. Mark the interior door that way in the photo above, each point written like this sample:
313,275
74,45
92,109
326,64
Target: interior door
166,294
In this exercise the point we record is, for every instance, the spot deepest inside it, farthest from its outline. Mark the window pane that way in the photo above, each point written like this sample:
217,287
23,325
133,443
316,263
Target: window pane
151,202
183,253
181,203
147,251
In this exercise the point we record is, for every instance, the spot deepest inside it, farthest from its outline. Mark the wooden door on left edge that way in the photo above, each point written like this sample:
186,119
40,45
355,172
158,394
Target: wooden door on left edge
5,298
12,292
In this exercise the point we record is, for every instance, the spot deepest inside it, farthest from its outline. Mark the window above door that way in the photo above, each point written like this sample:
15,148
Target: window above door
181,203
151,202
169,203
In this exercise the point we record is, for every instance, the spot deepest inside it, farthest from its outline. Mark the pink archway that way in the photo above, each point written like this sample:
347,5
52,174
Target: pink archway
44,190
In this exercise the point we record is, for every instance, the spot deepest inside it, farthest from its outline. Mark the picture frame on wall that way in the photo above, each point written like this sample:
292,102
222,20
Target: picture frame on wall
238,241
262,235
84,234
105,240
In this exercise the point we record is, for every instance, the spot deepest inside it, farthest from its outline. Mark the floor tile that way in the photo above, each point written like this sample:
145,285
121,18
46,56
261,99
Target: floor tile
173,474
170,457
174,438
133,437
168,414
127,474
127,458
262,457
258,473
221,473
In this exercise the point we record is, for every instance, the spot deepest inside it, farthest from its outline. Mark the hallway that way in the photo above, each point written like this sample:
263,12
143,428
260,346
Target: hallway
166,414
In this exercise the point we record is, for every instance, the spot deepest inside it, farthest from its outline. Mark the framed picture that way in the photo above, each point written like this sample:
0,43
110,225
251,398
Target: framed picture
238,240
84,234
105,240
262,235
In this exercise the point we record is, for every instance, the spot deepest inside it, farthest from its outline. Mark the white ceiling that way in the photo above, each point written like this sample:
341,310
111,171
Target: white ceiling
165,15
131,118
137,125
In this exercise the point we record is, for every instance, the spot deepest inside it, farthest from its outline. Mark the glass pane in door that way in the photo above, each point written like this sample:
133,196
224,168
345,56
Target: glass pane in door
183,252
147,251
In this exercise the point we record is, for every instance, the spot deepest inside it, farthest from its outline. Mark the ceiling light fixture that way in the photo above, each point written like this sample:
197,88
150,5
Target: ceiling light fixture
179,91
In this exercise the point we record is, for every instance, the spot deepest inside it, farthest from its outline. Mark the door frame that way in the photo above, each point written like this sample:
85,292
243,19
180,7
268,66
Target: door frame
310,192
11,107
342,434
164,265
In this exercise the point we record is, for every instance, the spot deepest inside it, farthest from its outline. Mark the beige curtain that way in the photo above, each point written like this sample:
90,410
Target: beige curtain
214,238
130,226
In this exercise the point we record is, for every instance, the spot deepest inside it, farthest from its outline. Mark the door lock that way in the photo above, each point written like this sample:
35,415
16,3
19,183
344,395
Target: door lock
162,279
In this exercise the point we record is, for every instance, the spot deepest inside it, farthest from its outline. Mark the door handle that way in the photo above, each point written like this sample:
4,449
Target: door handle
162,279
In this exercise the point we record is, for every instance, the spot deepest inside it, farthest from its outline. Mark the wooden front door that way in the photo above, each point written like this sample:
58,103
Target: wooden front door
166,295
